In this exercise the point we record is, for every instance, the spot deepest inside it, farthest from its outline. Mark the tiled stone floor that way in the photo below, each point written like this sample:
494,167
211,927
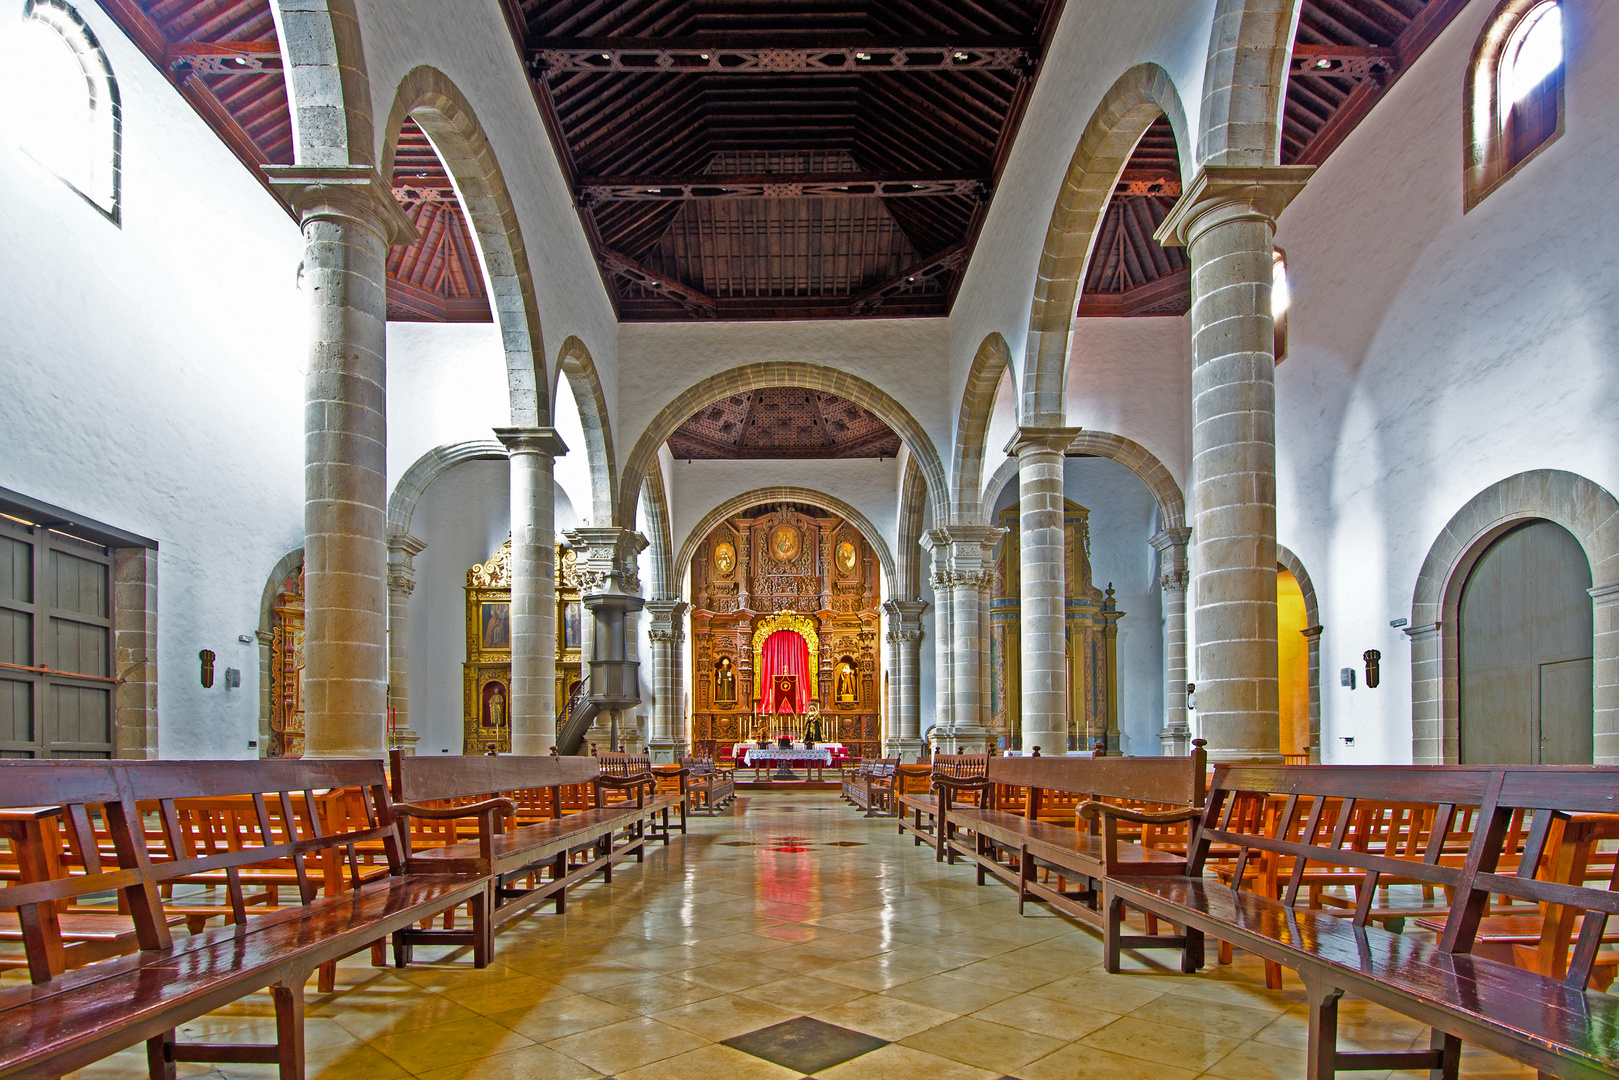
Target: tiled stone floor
793,905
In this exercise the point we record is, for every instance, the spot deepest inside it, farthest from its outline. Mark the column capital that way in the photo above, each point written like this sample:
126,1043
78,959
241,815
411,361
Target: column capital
402,551
541,440
1169,539
1604,595
1422,633
354,192
962,549
1222,193
904,615
1041,438
666,616
1312,632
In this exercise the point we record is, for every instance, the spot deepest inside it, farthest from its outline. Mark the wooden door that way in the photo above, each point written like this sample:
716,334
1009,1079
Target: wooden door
1525,649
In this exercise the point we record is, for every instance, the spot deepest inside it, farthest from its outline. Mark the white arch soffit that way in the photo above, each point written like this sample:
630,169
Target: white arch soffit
1166,493
328,91
437,105
1124,114
664,579
427,468
908,534
760,376
992,360
738,503
576,364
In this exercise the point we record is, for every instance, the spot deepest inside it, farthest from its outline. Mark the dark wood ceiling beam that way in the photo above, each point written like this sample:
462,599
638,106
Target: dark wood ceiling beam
938,265
410,303
1342,61
695,302
1162,293
224,57
597,190
754,54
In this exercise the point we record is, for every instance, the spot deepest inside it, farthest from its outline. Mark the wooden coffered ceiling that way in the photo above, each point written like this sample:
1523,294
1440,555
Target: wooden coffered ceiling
783,422
779,158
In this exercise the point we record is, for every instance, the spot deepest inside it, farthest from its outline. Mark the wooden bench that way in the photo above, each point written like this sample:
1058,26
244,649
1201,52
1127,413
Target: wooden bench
637,768
1018,848
1556,1025
709,789
65,1021
922,805
869,785
566,848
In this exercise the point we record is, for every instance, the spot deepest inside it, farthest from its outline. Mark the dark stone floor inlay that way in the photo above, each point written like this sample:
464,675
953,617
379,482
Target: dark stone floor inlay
805,1045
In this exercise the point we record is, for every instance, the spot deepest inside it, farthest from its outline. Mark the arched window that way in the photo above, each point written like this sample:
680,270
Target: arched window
64,102
1514,98
1281,298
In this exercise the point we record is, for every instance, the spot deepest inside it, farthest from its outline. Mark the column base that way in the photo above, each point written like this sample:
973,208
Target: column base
1175,742
907,750
964,740
1240,756
403,739
667,751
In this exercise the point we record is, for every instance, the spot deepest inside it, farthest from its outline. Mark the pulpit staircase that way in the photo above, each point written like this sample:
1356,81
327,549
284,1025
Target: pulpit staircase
575,718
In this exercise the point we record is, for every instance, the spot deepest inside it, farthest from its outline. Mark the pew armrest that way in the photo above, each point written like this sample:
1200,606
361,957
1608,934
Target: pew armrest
504,807
1093,810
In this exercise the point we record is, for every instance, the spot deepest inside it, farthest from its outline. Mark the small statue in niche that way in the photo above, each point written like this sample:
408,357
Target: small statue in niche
845,684
494,713
724,681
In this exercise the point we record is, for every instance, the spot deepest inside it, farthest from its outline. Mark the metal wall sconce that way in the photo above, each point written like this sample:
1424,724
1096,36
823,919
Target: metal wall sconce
1191,696
207,658
1373,672
233,678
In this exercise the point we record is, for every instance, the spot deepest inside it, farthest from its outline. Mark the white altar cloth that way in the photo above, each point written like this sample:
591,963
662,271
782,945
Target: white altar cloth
797,753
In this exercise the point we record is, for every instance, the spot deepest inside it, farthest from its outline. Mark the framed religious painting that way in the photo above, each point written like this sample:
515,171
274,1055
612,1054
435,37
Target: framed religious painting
495,620
572,624
487,674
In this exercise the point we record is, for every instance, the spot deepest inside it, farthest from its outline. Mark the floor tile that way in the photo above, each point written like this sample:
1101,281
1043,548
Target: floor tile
904,1063
805,1044
726,1016
627,1044
987,1045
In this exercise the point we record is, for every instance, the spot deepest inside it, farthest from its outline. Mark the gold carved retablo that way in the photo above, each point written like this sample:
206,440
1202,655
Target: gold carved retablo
784,542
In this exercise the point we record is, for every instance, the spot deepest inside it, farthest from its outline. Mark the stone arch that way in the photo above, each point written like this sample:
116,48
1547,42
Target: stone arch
1129,107
738,503
1250,48
1132,455
1585,509
328,91
575,363
1290,562
913,492
426,469
665,583
438,106
779,373
990,362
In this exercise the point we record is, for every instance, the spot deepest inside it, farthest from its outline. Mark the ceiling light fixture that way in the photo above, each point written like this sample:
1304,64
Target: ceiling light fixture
961,56
862,56
1323,63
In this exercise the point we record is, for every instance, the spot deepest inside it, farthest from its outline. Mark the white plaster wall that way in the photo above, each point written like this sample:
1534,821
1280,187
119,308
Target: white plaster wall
902,357
1133,377
1095,43
468,41
1124,516
151,376
1434,353
446,384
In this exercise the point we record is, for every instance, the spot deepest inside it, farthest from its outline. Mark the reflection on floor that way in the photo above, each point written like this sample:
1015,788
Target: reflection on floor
700,965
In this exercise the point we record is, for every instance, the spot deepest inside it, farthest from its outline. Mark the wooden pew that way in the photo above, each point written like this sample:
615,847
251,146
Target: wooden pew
924,803
869,784
568,848
658,803
65,1021
709,789
1555,1025
1017,848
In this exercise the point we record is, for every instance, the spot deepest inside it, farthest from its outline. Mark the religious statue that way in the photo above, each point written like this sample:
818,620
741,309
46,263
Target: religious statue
495,710
724,558
846,558
724,681
845,683
812,726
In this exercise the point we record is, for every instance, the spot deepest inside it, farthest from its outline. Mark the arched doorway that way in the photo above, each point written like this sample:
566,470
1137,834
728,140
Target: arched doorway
1525,632
1293,664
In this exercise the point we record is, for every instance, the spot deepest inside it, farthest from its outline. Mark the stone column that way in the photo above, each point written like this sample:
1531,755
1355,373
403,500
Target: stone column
938,546
1043,592
1226,218
1173,578
668,633
402,551
1431,744
533,453
1312,635
349,219
904,675
968,555
1605,701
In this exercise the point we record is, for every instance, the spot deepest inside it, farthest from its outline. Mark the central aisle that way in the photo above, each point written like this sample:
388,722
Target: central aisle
790,906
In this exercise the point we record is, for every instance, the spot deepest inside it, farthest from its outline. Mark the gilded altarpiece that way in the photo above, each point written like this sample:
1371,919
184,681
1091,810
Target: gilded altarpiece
287,669
785,567
487,673
1091,627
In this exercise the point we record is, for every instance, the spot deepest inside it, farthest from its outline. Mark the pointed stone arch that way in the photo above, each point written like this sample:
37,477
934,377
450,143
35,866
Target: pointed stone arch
1312,632
1588,511
913,523
660,543
778,373
328,91
1166,493
1129,107
758,496
575,364
429,97
990,362
1250,47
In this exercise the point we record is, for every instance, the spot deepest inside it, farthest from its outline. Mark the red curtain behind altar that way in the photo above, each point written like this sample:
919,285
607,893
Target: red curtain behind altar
784,653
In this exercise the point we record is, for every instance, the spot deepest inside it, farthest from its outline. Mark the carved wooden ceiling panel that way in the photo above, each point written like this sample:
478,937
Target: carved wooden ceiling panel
783,422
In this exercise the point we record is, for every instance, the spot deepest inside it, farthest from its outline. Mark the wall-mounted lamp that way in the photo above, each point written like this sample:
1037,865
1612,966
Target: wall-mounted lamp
1373,676
207,658
1346,677
1191,696
233,678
